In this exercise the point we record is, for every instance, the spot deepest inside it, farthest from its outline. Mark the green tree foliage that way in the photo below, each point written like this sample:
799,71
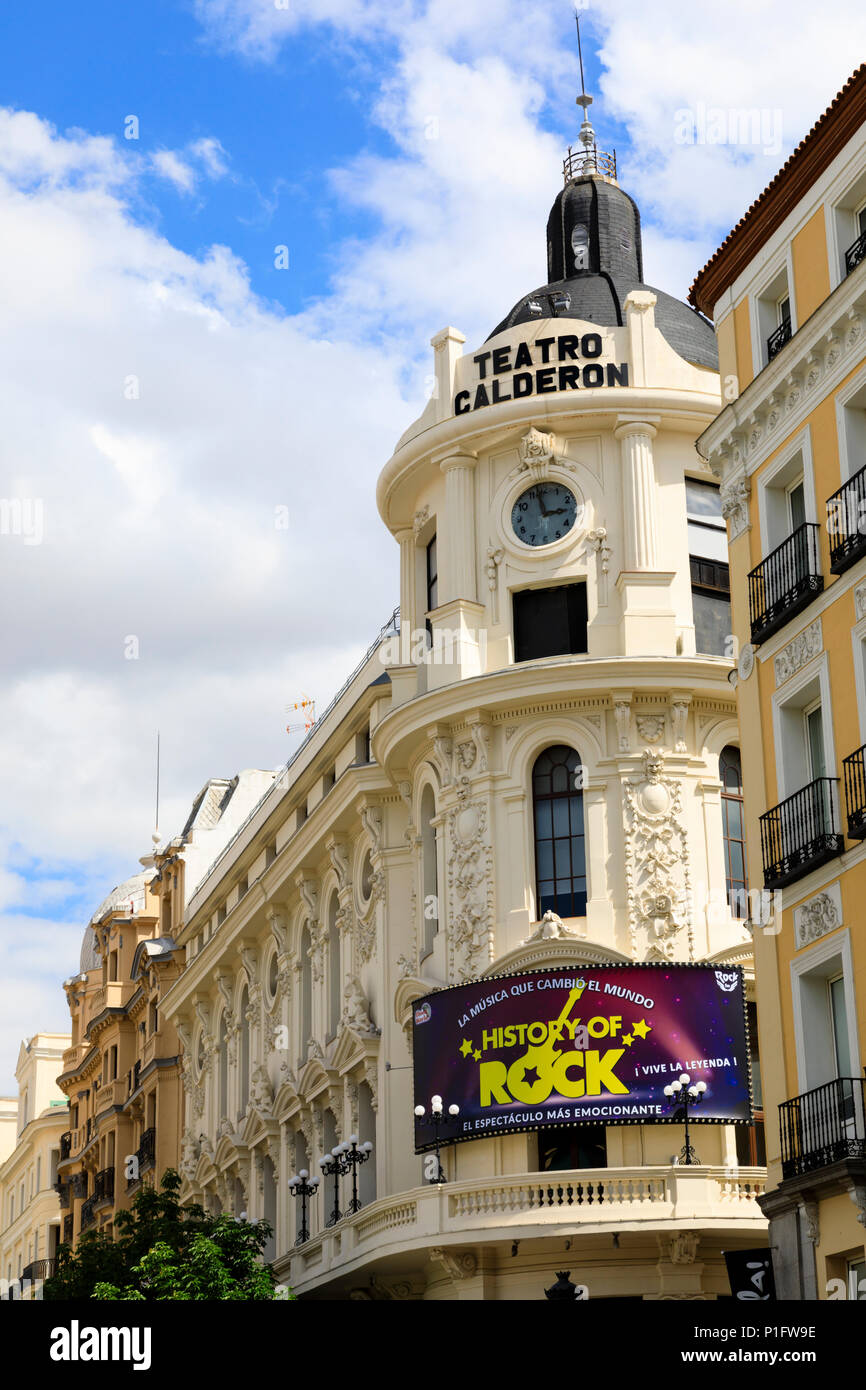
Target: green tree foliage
162,1250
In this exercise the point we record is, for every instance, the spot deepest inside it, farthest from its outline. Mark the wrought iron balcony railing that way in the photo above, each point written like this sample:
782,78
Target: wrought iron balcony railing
103,1186
854,768
588,160
784,583
147,1149
88,1215
38,1269
855,254
65,1145
823,1126
800,833
846,522
778,338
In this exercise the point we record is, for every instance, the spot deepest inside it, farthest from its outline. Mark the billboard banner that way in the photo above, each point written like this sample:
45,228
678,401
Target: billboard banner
581,1045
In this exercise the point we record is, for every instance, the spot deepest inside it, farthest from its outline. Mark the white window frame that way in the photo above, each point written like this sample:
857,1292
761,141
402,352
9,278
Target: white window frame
849,460
816,669
837,945
858,643
800,443
852,177
782,263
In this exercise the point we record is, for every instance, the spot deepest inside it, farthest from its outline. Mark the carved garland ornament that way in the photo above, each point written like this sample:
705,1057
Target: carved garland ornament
658,875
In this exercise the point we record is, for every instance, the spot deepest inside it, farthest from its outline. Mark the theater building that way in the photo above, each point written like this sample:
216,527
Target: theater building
535,765
787,291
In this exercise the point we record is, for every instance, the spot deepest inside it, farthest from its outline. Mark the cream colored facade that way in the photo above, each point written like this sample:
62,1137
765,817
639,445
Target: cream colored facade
396,853
789,449
29,1207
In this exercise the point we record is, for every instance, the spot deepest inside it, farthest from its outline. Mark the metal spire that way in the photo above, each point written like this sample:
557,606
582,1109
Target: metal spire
590,160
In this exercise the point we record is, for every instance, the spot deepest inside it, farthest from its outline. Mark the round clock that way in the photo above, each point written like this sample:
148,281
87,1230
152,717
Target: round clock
544,513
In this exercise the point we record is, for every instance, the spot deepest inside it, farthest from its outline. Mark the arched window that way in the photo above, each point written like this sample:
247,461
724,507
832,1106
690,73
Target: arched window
306,1019
223,1058
244,1094
560,848
335,981
430,869
733,830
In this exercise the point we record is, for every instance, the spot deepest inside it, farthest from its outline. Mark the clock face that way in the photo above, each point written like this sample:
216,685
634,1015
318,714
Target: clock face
544,513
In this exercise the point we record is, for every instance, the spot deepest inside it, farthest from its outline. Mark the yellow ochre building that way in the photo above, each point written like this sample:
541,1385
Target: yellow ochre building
787,292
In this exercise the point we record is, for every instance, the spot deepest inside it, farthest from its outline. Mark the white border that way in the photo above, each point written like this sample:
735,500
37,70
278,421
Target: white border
838,944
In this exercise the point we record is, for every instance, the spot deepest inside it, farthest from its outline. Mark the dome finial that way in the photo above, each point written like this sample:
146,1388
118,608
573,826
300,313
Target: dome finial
590,160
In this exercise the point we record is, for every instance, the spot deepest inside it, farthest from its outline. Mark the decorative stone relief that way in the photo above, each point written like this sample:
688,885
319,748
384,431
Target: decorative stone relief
860,601
422,516
551,927
537,452
735,503
356,1009
746,662
683,1248
470,884
818,916
658,872
812,1213
481,738
458,1265
278,922
597,540
495,555
371,819
262,1091
801,649
622,715
680,710
651,727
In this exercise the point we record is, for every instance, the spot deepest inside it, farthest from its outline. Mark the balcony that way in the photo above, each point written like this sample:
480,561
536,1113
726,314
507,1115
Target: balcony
778,338
800,833
65,1145
78,1184
854,768
103,1187
39,1269
823,1127
785,582
846,523
526,1207
147,1150
88,1215
855,254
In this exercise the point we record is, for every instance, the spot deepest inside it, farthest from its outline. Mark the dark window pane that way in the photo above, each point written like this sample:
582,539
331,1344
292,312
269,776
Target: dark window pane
544,858
543,821
703,499
563,859
712,614
560,816
549,622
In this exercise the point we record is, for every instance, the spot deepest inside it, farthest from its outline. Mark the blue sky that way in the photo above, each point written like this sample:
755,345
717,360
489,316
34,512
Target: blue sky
407,154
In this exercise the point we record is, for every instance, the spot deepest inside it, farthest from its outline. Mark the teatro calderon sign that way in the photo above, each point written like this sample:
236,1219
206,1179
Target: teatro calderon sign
539,367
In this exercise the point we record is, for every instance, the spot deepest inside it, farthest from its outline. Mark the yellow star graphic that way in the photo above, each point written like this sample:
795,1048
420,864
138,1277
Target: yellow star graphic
627,1039
476,1056
641,1028
467,1047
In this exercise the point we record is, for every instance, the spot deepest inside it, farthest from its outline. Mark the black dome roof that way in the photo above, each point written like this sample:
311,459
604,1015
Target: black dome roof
594,260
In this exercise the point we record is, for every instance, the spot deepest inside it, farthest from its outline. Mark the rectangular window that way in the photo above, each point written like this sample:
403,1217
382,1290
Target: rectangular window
711,605
432,585
550,622
707,535
839,1018
796,505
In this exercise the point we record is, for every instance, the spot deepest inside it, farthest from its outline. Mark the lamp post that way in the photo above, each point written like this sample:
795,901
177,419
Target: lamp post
332,1166
354,1154
436,1118
300,1187
691,1095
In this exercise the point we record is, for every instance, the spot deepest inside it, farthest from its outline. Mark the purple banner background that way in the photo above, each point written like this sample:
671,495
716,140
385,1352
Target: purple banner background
696,1017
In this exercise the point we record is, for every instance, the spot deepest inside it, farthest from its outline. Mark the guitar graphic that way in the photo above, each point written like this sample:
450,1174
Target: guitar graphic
532,1070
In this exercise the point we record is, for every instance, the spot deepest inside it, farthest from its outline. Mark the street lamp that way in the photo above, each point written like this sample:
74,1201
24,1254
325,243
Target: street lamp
436,1118
300,1187
689,1095
332,1166
354,1154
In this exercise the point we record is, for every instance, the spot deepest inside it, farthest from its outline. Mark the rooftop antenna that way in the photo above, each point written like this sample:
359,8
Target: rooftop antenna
155,836
587,134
